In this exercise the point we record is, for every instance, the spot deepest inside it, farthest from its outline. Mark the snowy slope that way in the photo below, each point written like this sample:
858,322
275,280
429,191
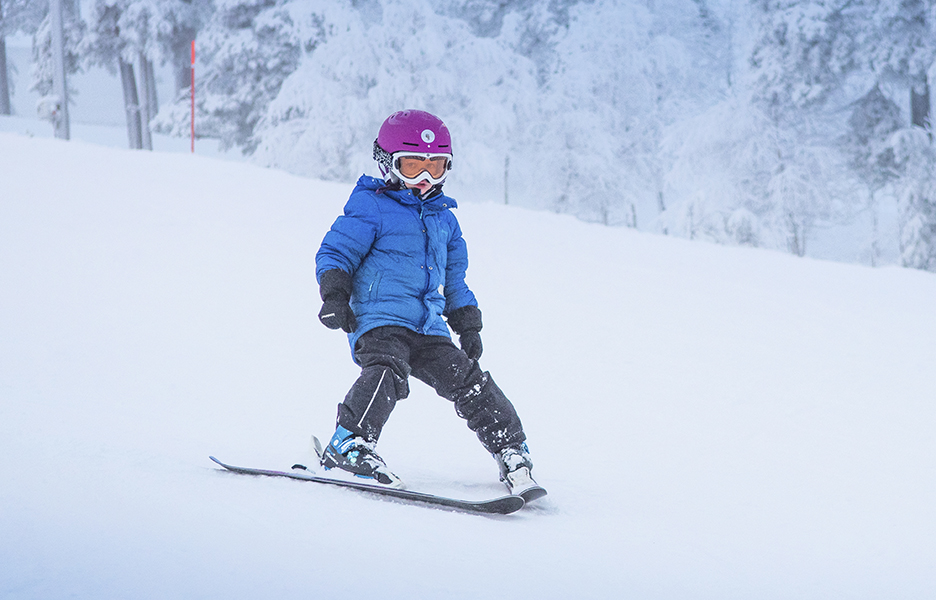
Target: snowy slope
711,422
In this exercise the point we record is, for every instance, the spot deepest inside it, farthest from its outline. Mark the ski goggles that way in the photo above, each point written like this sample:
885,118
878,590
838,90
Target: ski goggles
413,168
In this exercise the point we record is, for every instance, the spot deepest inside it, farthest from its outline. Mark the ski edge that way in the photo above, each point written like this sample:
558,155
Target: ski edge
504,505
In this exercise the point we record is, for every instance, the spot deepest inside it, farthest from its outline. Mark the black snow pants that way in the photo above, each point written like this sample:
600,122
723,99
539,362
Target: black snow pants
389,355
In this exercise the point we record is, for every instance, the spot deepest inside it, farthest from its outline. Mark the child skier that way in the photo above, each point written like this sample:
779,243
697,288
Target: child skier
389,269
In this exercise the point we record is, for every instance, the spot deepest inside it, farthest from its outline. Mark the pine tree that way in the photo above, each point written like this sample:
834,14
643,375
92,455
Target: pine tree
74,30
352,73
905,50
118,35
248,48
127,37
15,16
915,160
805,56
608,100
4,74
180,22
873,121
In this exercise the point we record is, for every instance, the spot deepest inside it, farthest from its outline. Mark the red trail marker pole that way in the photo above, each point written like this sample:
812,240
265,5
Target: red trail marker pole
193,96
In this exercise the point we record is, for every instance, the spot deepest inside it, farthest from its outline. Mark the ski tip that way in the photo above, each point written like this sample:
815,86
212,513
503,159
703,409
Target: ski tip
216,460
317,445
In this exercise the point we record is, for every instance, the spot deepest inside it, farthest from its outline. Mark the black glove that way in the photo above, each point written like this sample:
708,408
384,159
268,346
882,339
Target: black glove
335,289
466,322
471,343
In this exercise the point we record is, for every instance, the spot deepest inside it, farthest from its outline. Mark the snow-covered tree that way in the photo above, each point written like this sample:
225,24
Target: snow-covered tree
906,53
611,98
74,31
873,120
4,73
179,23
15,16
915,158
129,36
530,28
122,34
353,73
805,52
304,85
804,63
904,49
599,111
246,51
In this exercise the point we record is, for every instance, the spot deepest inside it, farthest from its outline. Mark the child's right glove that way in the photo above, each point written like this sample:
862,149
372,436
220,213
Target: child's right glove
335,289
466,322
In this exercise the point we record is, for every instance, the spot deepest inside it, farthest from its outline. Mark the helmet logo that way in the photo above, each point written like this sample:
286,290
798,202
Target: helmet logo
427,136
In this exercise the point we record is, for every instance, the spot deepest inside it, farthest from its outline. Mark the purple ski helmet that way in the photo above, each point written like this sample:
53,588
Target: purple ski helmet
413,146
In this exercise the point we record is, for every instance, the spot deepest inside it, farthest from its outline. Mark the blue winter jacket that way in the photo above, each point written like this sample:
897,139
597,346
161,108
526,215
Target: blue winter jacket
406,257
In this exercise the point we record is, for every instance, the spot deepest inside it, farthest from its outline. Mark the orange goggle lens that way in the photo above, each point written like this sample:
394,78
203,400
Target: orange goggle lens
411,166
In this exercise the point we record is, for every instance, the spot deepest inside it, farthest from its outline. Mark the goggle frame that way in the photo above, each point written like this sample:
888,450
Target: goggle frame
423,175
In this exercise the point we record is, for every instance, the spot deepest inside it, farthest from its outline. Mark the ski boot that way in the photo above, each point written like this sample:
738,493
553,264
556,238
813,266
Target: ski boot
515,471
352,454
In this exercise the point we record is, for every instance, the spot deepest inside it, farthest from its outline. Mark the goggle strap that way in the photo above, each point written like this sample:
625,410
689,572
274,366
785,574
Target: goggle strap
382,157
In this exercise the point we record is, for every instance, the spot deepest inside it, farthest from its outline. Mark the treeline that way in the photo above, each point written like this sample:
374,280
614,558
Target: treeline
770,123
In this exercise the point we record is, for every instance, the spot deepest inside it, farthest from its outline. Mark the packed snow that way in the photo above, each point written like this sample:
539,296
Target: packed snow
711,422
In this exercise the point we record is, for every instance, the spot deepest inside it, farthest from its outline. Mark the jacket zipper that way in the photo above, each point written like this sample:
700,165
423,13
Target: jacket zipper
426,266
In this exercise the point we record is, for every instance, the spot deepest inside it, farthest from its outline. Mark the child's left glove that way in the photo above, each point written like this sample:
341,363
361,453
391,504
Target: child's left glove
335,289
466,322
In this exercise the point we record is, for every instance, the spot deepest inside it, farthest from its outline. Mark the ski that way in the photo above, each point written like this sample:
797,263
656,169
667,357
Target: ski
497,506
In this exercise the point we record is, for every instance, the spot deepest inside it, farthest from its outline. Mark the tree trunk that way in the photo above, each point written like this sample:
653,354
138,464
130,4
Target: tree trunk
151,83
506,179
920,104
181,54
59,84
4,82
875,235
4,74
132,104
145,95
